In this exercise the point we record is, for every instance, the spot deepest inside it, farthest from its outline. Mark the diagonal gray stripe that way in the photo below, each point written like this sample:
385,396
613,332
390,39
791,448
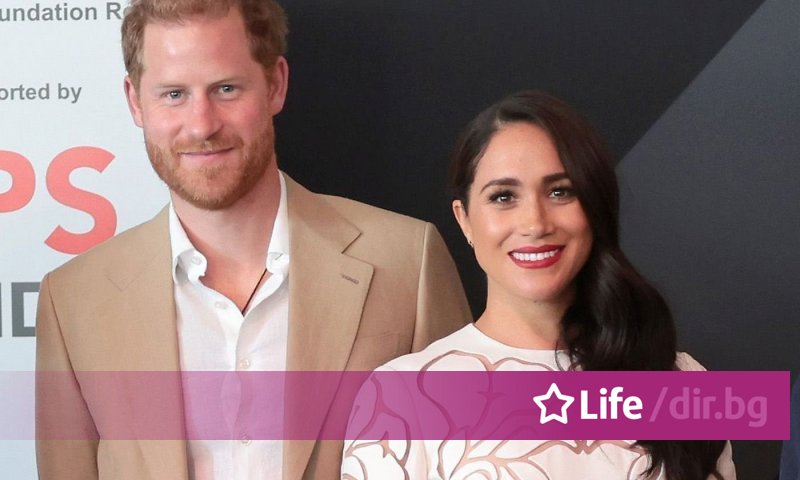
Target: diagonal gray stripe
711,206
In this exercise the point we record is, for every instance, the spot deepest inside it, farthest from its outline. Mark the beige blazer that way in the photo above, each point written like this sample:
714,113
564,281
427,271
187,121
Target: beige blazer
365,286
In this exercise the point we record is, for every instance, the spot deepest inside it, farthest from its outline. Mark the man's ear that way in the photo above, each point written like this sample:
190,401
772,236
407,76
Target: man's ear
460,212
278,84
134,105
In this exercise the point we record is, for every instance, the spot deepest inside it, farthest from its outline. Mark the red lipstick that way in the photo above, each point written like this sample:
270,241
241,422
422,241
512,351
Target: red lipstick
536,257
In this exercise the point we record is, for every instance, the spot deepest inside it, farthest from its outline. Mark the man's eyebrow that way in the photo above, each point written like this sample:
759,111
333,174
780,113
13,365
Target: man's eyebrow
168,86
231,79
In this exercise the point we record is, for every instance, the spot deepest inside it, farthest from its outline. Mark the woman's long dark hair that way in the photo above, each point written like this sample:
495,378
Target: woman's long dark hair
618,321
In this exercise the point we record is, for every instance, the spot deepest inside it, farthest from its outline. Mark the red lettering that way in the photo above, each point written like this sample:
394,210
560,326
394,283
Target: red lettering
60,188
23,181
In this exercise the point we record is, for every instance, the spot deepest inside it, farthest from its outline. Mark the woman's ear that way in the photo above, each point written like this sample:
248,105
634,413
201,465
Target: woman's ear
460,212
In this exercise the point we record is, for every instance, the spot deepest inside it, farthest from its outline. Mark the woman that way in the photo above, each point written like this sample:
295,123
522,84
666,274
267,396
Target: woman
536,197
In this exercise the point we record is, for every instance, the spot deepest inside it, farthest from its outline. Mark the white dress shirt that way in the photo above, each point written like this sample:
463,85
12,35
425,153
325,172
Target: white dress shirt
215,336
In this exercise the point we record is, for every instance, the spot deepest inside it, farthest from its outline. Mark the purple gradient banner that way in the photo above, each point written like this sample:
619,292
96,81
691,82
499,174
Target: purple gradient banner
395,405
570,405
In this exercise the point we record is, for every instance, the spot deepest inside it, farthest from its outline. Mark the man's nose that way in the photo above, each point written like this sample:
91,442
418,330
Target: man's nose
204,119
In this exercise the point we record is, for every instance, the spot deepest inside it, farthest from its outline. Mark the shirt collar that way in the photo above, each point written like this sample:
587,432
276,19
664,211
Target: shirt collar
187,258
278,250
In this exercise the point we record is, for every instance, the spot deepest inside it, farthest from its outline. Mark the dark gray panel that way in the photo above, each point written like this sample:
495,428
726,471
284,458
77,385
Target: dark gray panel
379,89
711,206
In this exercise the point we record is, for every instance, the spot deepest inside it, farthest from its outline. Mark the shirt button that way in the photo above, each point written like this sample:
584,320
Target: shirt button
197,260
246,440
244,364
221,305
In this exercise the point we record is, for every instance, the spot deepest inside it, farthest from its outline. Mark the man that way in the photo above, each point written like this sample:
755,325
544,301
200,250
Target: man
244,270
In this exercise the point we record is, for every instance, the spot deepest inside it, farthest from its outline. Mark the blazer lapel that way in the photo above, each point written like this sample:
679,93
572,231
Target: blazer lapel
146,300
327,291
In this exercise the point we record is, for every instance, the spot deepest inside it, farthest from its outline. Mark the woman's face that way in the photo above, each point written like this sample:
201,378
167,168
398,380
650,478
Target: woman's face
528,228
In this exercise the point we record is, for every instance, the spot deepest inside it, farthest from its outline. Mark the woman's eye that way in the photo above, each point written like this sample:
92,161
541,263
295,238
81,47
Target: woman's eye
501,197
562,193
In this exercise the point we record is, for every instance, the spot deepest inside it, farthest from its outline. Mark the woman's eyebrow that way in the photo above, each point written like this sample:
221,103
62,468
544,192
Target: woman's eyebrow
504,182
554,177
514,182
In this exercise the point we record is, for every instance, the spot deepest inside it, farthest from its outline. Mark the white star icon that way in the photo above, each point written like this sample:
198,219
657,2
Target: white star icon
540,399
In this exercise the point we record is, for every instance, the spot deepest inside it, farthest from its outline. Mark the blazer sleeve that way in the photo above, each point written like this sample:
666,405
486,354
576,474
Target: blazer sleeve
442,307
66,437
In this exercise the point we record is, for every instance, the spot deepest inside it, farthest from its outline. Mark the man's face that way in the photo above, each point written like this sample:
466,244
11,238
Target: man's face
206,107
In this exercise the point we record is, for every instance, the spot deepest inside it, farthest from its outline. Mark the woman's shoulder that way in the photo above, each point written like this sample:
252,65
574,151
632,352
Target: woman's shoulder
462,345
686,363
469,349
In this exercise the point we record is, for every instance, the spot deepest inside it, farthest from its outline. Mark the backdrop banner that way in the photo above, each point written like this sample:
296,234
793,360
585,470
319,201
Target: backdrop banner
73,171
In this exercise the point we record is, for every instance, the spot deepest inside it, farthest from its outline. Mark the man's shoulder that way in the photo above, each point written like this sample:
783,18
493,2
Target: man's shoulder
384,232
365,214
135,242
372,222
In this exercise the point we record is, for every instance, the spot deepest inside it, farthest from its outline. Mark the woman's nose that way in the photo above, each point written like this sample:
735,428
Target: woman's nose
534,219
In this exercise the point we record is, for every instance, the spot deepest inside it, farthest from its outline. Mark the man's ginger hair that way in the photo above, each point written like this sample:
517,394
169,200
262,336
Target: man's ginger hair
265,23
